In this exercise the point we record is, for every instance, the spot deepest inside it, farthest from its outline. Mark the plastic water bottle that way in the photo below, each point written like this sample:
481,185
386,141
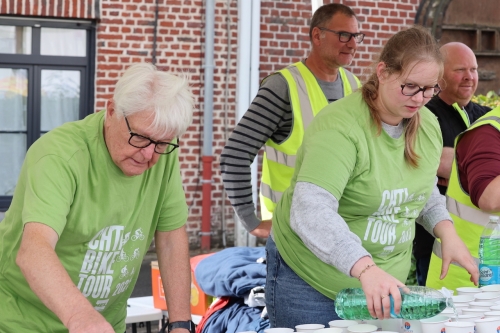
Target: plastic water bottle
489,253
416,303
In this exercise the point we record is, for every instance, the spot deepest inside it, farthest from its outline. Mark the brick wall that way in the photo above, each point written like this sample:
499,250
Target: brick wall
285,29
125,35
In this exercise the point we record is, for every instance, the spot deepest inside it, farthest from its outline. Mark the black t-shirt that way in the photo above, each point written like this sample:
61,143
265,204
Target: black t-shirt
450,121
451,124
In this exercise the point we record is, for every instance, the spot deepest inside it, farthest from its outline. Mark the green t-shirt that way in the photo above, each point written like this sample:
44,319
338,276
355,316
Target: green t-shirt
379,194
104,219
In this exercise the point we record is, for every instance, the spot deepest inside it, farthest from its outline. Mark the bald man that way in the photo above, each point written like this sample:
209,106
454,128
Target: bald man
455,113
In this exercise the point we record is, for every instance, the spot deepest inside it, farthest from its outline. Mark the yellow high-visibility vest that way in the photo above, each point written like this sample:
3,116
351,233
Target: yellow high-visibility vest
468,219
307,99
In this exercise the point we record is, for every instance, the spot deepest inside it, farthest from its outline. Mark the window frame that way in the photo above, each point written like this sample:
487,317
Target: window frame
35,63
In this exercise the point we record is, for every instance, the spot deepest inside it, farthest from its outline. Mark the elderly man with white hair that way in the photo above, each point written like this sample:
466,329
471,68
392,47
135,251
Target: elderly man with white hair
91,195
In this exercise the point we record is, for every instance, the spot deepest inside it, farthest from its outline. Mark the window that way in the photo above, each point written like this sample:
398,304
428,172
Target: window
46,79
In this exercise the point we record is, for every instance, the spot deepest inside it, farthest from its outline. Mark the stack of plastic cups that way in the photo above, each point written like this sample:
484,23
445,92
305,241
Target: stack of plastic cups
434,324
330,330
362,328
487,325
308,327
460,327
278,330
343,324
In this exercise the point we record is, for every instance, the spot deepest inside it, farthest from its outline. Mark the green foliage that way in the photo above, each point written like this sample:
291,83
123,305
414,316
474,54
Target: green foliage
491,99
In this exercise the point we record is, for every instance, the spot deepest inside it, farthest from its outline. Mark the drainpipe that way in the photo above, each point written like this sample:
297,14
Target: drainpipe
247,86
254,78
207,157
315,4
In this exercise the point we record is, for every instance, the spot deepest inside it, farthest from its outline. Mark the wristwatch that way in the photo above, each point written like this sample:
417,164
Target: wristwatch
188,324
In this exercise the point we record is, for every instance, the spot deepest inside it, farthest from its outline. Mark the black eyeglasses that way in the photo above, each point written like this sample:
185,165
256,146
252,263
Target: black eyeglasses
139,141
410,89
345,36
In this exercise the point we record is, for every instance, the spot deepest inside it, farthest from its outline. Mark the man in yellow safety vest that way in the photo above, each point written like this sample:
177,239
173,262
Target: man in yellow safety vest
473,195
284,106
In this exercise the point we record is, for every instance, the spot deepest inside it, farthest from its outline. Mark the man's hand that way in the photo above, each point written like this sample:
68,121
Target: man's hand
263,230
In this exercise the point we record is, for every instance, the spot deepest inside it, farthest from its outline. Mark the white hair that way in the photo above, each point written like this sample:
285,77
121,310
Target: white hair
144,88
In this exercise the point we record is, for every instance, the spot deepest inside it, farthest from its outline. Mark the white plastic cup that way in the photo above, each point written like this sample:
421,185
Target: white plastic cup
487,325
449,312
471,311
278,330
362,328
463,298
491,287
411,326
375,322
343,324
459,327
487,296
461,306
481,305
330,330
469,317
492,314
434,324
391,325
468,290
308,327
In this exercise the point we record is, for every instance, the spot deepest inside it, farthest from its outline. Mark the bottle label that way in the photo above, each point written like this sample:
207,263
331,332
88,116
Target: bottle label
489,274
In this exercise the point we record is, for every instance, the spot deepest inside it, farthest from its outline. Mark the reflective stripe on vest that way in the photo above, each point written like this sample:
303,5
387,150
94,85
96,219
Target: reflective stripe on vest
469,220
307,112
471,214
266,191
349,81
307,99
280,157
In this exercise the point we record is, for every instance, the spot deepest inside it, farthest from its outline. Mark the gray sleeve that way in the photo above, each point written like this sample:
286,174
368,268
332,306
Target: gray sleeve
269,116
314,218
434,211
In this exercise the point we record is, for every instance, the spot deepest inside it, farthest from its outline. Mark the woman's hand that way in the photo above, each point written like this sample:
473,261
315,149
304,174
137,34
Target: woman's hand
454,250
377,286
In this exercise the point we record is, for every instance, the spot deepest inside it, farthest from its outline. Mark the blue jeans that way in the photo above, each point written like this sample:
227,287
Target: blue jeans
291,301
422,269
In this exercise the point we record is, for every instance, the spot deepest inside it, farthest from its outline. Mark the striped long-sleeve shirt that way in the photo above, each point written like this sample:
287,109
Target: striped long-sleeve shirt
269,117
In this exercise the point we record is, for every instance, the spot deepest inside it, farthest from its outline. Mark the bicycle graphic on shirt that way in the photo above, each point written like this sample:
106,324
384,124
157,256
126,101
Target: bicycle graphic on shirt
135,255
138,235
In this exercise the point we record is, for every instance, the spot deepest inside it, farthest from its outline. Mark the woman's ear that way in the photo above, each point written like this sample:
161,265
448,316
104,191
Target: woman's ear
381,71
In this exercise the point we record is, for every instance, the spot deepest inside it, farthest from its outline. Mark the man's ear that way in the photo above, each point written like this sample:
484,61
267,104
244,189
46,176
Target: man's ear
316,35
442,83
110,108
